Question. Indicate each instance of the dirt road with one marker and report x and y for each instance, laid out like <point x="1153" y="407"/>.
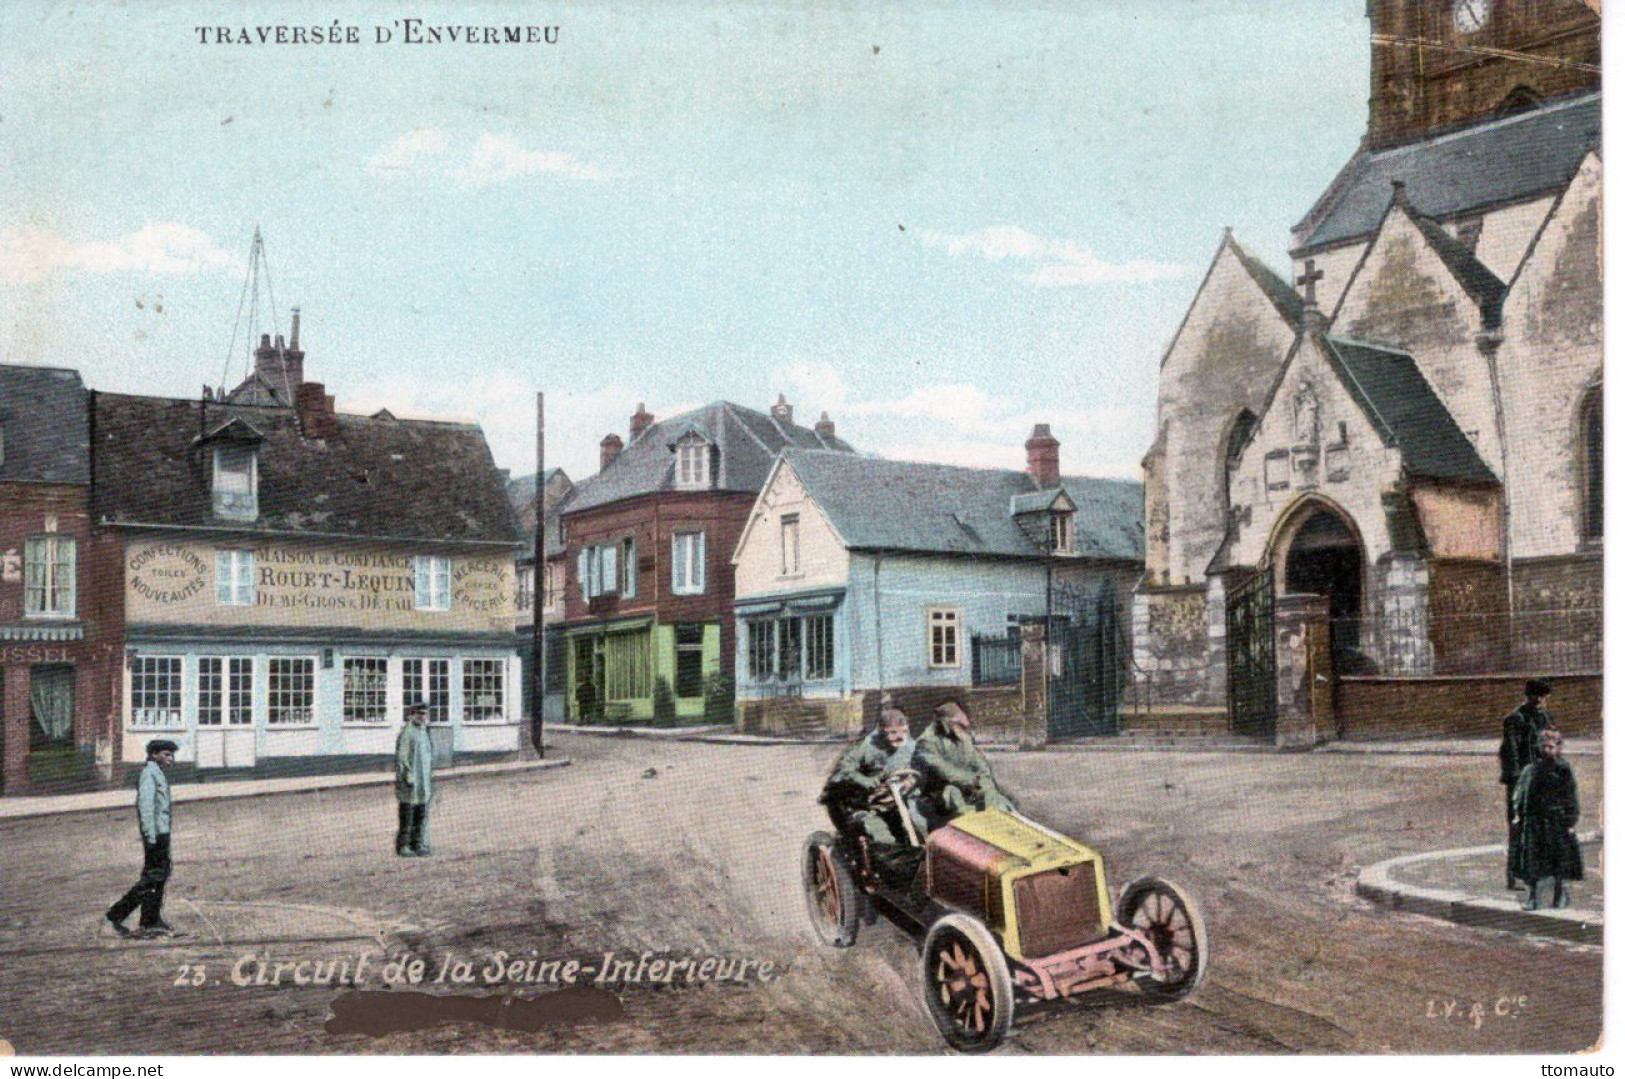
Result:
<point x="691" y="850"/>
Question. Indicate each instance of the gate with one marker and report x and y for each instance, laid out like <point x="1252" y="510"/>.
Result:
<point x="1086" y="677"/>
<point x="1249" y="636"/>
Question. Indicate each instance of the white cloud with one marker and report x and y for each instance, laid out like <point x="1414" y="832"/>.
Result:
<point x="409" y="150"/>
<point x="498" y="158"/>
<point x="1056" y="263"/>
<point x="28" y="255"/>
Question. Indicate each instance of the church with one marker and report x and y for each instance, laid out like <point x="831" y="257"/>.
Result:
<point x="1409" y="427"/>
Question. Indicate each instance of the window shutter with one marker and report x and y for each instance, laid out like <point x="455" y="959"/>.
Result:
<point x="699" y="561"/>
<point x="677" y="566"/>
<point x="66" y="575"/>
<point x="581" y="571"/>
<point x="610" y="575"/>
<point x="223" y="577"/>
<point x="34" y="576"/>
<point x="631" y="567"/>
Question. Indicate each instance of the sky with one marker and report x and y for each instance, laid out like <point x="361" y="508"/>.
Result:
<point x="939" y="222"/>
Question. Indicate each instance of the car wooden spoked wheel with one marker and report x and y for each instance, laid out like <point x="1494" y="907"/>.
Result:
<point x="1160" y="911"/>
<point x="967" y="984"/>
<point x="832" y="894"/>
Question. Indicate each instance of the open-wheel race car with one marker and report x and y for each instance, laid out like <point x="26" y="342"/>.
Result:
<point x="1008" y="913"/>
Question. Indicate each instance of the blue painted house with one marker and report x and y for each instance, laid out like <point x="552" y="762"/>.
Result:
<point x="858" y="576"/>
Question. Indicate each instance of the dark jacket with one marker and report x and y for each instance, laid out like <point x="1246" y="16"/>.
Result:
<point x="1520" y="740"/>
<point x="1547" y="804"/>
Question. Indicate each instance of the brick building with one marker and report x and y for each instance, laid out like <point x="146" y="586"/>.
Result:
<point x="292" y="576"/>
<point x="60" y="610"/>
<point x="648" y="602"/>
<point x="1411" y="429"/>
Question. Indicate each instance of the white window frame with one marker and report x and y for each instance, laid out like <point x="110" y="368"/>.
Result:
<point x="789" y="544"/>
<point x="524" y="594"/>
<point x="374" y="711"/>
<point x="608" y="569"/>
<point x="50" y="590"/>
<point x="431" y="582"/>
<point x="1062" y="535"/>
<point x="693" y="465"/>
<point x="159" y="718"/>
<point x="423" y="670"/>
<point x="470" y="669"/>
<point x="248" y="491"/>
<point x="629" y="567"/>
<point x="271" y="721"/>
<point x="688" y="563"/>
<point x="233" y="577"/>
<point x="947" y="651"/>
<point x="235" y="704"/>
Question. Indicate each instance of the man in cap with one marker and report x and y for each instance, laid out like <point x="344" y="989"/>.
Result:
<point x="955" y="777"/>
<point x="858" y="792"/>
<point x="414" y="782"/>
<point x="1520" y="747"/>
<point x="152" y="810"/>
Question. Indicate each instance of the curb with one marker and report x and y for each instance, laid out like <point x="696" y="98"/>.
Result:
<point x="113" y="801"/>
<point x="715" y="735"/>
<point x="1376" y="884"/>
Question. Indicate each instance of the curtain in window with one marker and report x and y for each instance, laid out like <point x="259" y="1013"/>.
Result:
<point x="51" y="695"/>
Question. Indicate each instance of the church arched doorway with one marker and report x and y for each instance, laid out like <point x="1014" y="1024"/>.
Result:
<point x="1324" y="556"/>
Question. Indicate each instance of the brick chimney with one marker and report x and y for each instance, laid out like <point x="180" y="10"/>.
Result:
<point x="1043" y="457"/>
<point x="608" y="450"/>
<point x="281" y="365"/>
<point x="825" y="426"/>
<point x="641" y="422"/>
<point x="317" y="418"/>
<point x="782" y="411"/>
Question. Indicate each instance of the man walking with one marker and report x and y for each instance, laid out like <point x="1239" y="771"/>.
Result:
<point x="955" y="777"/>
<point x="414" y="783"/>
<point x="153" y="814"/>
<point x="1520" y="747"/>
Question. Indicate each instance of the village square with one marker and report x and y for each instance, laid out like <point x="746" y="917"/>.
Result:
<point x="367" y="694"/>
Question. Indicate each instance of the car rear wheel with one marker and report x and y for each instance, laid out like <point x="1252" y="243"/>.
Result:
<point x="833" y="902"/>
<point x="1162" y="913"/>
<point x="967" y="984"/>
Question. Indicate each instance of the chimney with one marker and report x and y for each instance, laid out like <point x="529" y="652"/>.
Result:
<point x="608" y="450"/>
<point x="641" y="421"/>
<point x="782" y="411"/>
<point x="1044" y="457"/>
<point x="280" y="364"/>
<point x="317" y="418"/>
<point x="293" y="359"/>
<point x="825" y="426"/>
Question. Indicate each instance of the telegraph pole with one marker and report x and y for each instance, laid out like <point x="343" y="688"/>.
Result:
<point x="538" y="579"/>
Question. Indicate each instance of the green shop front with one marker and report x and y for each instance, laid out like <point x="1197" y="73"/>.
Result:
<point x="639" y="671"/>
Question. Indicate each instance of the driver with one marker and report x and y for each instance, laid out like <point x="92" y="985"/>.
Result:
<point x="857" y="793"/>
<point x="955" y="777"/>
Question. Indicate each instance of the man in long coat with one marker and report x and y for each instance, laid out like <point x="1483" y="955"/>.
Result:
<point x="1546" y="808"/>
<point x="955" y="777"/>
<point x="152" y="810"/>
<point x="1520" y="746"/>
<point x="414" y="782"/>
<point x="857" y="794"/>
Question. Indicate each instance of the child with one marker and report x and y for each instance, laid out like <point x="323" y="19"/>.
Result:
<point x="1546" y="808"/>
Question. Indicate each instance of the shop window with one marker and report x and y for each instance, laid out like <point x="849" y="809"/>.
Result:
<point x="292" y="691"/>
<point x="690" y="660"/>
<point x="429" y="681"/>
<point x="155" y="691"/>
<point x="483" y="689"/>
<point x="366" y="689"/>
<point x="225" y="691"/>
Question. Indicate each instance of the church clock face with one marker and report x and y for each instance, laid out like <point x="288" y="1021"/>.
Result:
<point x="1471" y="15"/>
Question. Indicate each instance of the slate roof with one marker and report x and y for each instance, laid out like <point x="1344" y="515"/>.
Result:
<point x="1505" y="160"/>
<point x="747" y="442"/>
<point x="45" y="421"/>
<point x="1391" y="390"/>
<point x="522" y="495"/>
<point x="376" y="478"/>
<point x="1280" y="292"/>
<point x="876" y="504"/>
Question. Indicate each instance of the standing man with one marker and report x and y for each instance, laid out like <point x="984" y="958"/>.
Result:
<point x="414" y="782"/>
<point x="1546" y="811"/>
<point x="955" y="777"/>
<point x="153" y="814"/>
<point x="1520" y="747"/>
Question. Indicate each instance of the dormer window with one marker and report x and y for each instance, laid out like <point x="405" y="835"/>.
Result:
<point x="693" y="463"/>
<point x="236" y="482"/>
<point x="1060" y="532"/>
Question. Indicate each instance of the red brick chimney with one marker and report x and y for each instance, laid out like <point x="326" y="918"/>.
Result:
<point x="641" y="421"/>
<point x="825" y="426"/>
<point x="317" y="418"/>
<point x="608" y="450"/>
<point x="1044" y="457"/>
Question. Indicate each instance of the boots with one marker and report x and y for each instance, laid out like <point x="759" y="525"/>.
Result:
<point x="1562" y="898"/>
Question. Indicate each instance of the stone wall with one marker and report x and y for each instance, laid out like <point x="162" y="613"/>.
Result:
<point x="1371" y="708"/>
<point x="1560" y="622"/>
<point x="1172" y="648"/>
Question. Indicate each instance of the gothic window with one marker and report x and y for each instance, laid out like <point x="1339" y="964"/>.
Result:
<point x="1591" y="463"/>
<point x="1241" y="429"/>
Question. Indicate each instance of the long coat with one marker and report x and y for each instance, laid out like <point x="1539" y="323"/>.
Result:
<point x="1520" y="740"/>
<point x="1547" y="804"/>
<point x="944" y="758"/>
<point x="414" y="766"/>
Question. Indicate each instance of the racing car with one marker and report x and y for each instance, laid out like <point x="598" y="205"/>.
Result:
<point x="1009" y="913"/>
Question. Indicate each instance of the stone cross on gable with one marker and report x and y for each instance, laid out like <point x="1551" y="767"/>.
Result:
<point x="1308" y="278"/>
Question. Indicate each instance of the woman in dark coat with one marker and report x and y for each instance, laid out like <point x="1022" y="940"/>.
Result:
<point x="1546" y="809"/>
